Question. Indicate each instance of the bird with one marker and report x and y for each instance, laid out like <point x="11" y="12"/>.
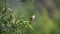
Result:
<point x="32" y="18"/>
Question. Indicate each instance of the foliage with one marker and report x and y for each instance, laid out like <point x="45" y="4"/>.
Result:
<point x="11" y="25"/>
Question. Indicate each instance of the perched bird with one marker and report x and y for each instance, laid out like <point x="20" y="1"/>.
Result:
<point x="32" y="18"/>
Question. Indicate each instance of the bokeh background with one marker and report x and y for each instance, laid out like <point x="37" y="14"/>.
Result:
<point x="43" y="23"/>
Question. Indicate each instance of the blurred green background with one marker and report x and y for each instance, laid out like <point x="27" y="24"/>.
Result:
<point x="42" y="24"/>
